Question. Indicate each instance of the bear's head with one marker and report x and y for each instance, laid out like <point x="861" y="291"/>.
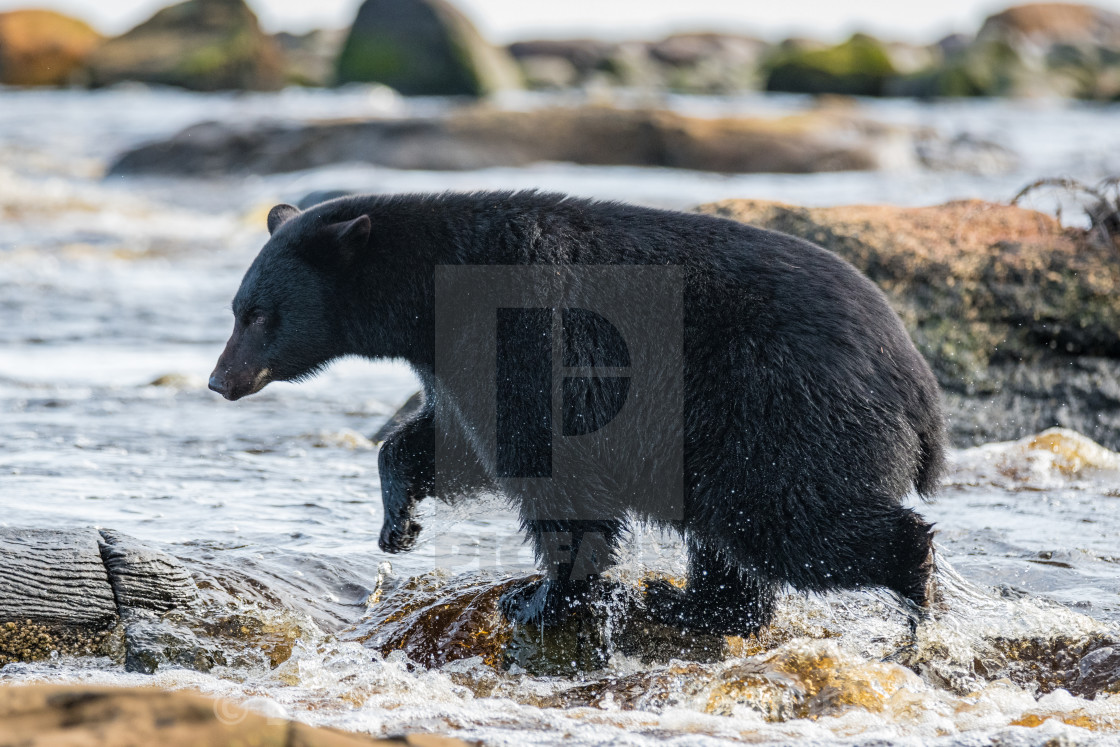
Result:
<point x="288" y="317"/>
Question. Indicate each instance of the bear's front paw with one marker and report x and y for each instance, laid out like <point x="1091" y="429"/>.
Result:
<point x="544" y="602"/>
<point x="398" y="536"/>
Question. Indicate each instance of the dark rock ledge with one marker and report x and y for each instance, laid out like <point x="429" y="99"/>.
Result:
<point x="83" y="591"/>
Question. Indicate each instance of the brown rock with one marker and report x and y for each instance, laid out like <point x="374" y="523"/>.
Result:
<point x="122" y="717"/>
<point x="480" y="137"/>
<point x="204" y="45"/>
<point x="435" y="619"/>
<point x="1055" y="23"/>
<point x="1019" y="317"/>
<point x="42" y="48"/>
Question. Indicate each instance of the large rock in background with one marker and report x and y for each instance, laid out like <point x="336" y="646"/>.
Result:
<point x="1019" y="317"/>
<point x="43" y="48"/>
<point x="204" y="45"/>
<point x="422" y="47"/>
<point x="694" y="62"/>
<point x="309" y="59"/>
<point x="861" y="66"/>
<point x="1045" y="49"/>
<point x="481" y="137"/>
<point x="1047" y="24"/>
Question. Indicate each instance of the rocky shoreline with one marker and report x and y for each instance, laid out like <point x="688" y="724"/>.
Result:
<point x="429" y="47"/>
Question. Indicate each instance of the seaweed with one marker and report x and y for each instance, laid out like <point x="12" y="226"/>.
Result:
<point x="1100" y="203"/>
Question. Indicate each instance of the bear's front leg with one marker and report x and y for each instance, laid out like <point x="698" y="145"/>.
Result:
<point x="407" y="466"/>
<point x="573" y="555"/>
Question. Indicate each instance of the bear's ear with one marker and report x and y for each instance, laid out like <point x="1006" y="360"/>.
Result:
<point x="350" y="236"/>
<point x="279" y="215"/>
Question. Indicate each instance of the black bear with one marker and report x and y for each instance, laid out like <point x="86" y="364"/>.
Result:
<point x="807" y="415"/>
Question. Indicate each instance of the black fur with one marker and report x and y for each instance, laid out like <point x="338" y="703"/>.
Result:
<point x="808" y="413"/>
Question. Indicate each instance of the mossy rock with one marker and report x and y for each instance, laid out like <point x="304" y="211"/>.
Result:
<point x="861" y="66"/>
<point x="423" y="48"/>
<point x="1018" y="316"/>
<point x="203" y="45"/>
<point x="43" y="48"/>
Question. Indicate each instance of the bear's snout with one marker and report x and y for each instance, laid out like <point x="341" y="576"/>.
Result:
<point x="233" y="386"/>
<point x="220" y="384"/>
<point x="217" y="384"/>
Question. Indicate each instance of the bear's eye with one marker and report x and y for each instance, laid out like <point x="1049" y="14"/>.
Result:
<point x="257" y="318"/>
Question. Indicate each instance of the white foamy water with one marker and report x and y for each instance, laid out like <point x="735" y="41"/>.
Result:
<point x="106" y="286"/>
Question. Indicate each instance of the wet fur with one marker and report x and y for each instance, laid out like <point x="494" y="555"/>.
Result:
<point x="808" y="413"/>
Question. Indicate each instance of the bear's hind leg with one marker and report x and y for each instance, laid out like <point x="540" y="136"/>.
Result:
<point x="903" y="560"/>
<point x="720" y="598"/>
<point x="573" y="555"/>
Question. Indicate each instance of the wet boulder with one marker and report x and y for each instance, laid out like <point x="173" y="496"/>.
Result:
<point x="436" y="619"/>
<point x="67" y="591"/>
<point x="1098" y="671"/>
<point x="43" y="48"/>
<point x="861" y="66"/>
<point x="203" y="45"/>
<point x="422" y="48"/>
<point x="1018" y="315"/>
<point x="55" y="595"/>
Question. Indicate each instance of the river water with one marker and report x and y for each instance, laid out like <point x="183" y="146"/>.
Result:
<point x="114" y="304"/>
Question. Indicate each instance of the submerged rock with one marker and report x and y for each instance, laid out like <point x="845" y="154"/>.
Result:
<point x="1019" y="316"/>
<point x="479" y="137"/>
<point x="422" y="48"/>
<point x="43" y="48"/>
<point x="1098" y="671"/>
<point x="436" y="619"/>
<point x="204" y="45"/>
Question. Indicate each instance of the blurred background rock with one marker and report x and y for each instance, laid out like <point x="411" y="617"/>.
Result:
<point x="429" y="47"/>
